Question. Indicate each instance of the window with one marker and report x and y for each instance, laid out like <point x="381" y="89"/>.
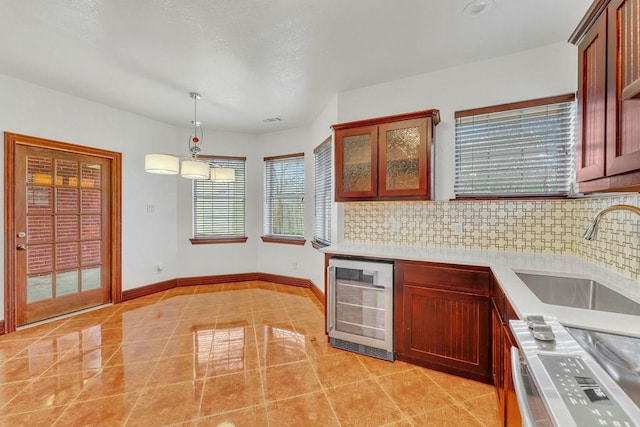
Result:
<point x="520" y="149"/>
<point x="218" y="206"/>
<point x="322" y="194"/>
<point x="284" y="199"/>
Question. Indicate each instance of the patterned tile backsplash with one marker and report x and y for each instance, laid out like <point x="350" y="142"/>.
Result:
<point x="541" y="226"/>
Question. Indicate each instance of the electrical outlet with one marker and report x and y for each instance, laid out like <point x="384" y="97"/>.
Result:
<point x="294" y="265"/>
<point x="395" y="226"/>
<point x="159" y="267"/>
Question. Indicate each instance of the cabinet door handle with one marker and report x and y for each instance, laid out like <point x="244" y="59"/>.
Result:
<point x="21" y="247"/>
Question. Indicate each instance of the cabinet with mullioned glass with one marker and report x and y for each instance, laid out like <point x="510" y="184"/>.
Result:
<point x="387" y="158"/>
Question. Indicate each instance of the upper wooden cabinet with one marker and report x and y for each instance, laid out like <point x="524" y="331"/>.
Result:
<point x="608" y="131"/>
<point x="386" y="158"/>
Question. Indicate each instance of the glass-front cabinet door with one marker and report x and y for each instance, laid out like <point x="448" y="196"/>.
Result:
<point x="403" y="158"/>
<point x="357" y="163"/>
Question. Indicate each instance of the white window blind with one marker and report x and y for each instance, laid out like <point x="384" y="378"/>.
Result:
<point x="516" y="152"/>
<point x="322" y="194"/>
<point x="219" y="207"/>
<point x="284" y="196"/>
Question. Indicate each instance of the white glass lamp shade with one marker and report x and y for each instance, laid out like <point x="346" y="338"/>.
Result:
<point x="163" y="164"/>
<point x="223" y="174"/>
<point x="194" y="169"/>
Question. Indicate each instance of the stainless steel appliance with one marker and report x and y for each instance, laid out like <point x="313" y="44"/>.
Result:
<point x="360" y="306"/>
<point x="558" y="383"/>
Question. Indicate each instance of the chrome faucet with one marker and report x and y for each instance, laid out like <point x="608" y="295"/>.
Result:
<point x="592" y="230"/>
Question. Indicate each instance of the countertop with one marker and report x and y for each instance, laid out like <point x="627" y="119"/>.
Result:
<point x="503" y="264"/>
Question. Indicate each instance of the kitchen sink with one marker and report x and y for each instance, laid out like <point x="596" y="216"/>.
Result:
<point x="579" y="293"/>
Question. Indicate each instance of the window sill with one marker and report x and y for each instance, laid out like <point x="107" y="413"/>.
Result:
<point x="284" y="240"/>
<point x="319" y="245"/>
<point x="212" y="241"/>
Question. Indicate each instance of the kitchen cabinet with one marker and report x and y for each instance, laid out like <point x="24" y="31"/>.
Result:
<point x="442" y="318"/>
<point x="386" y="158"/>
<point x="501" y="342"/>
<point x="608" y="121"/>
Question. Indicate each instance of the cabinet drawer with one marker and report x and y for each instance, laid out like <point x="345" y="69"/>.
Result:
<point x="474" y="280"/>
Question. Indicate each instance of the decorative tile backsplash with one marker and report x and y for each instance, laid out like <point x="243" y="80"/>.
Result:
<point x="541" y="226"/>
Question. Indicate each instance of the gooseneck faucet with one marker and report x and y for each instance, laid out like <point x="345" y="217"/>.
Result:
<point x="592" y="230"/>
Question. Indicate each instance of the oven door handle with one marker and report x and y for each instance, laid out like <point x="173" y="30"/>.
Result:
<point x="521" y="392"/>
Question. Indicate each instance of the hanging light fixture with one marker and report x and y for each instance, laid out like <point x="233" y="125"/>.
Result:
<point x="190" y="167"/>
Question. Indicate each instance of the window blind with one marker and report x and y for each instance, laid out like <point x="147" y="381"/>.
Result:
<point x="284" y="196"/>
<point x="219" y="207"/>
<point x="322" y="194"/>
<point x="516" y="152"/>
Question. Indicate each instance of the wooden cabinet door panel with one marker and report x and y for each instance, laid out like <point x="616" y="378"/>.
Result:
<point x="403" y="158"/>
<point x="357" y="163"/>
<point x="446" y="328"/>
<point x="592" y="98"/>
<point x="623" y="116"/>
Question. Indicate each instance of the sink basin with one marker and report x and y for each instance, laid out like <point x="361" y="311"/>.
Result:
<point x="579" y="293"/>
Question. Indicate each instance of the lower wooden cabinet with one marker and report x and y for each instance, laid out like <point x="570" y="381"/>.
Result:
<point x="510" y="401"/>
<point x="439" y="327"/>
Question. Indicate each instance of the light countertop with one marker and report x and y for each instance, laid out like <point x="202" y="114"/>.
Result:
<point x="524" y="301"/>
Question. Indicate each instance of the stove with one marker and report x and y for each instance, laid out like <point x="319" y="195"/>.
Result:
<point x="574" y="389"/>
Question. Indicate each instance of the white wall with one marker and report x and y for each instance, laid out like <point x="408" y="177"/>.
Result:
<point x="279" y="258"/>
<point x="229" y="258"/>
<point x="537" y="73"/>
<point x="146" y="237"/>
<point x="162" y="236"/>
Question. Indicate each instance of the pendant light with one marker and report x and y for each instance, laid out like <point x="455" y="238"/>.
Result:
<point x="190" y="167"/>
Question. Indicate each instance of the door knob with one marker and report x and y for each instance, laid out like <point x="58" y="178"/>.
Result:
<point x="22" y="247"/>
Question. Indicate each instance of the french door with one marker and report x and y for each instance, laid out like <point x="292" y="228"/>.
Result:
<point x="63" y="229"/>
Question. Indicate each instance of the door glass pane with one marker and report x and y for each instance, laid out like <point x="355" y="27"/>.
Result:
<point x="66" y="200"/>
<point x="90" y="175"/>
<point x="403" y="158"/>
<point x="39" y="258"/>
<point x="66" y="173"/>
<point x="357" y="163"/>
<point x="66" y="227"/>
<point x="66" y="282"/>
<point x="91" y="202"/>
<point x="38" y="170"/>
<point x="90" y="227"/>
<point x="91" y="278"/>
<point x="66" y="255"/>
<point x="39" y="199"/>
<point x="39" y="287"/>
<point x="39" y="229"/>
<point x="91" y="252"/>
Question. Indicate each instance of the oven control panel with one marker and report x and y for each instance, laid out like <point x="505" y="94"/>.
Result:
<point x="588" y="401"/>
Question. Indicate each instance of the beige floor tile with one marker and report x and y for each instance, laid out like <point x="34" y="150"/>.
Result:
<point x="308" y="410"/>
<point x="414" y="394"/>
<point x="107" y="411"/>
<point x="255" y="416"/>
<point x="169" y="404"/>
<point x="230" y="392"/>
<point x="293" y="379"/>
<point x="363" y="404"/>
<point x="38" y="418"/>
<point x="251" y="353"/>
<point x="339" y="369"/>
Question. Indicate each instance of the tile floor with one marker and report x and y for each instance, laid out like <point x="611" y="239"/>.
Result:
<point x="241" y="354"/>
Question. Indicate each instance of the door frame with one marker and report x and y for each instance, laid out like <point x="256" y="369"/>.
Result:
<point x="11" y="140"/>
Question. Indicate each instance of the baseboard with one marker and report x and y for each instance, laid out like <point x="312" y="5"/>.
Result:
<point x="285" y="280"/>
<point x="1" y="327"/>
<point x="219" y="279"/>
<point x="317" y="293"/>
<point x="214" y="280"/>
<point x="142" y="291"/>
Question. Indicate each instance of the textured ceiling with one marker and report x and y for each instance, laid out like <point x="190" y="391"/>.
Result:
<point x="256" y="59"/>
